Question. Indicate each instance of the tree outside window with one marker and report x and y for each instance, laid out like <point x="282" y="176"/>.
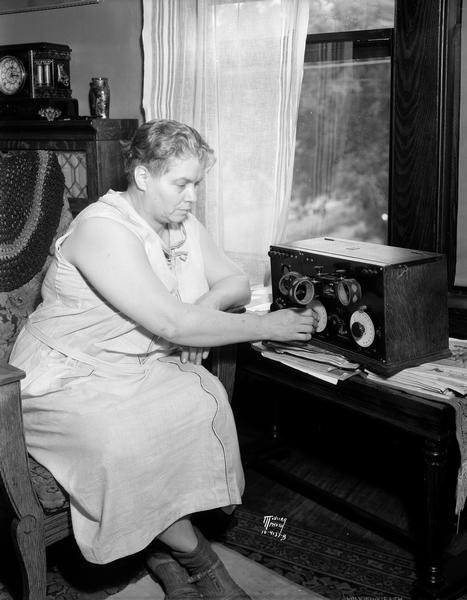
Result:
<point x="341" y="173"/>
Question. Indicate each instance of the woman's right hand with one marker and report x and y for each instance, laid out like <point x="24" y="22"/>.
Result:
<point x="291" y="324"/>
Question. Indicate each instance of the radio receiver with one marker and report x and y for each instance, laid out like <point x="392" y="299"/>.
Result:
<point x="381" y="306"/>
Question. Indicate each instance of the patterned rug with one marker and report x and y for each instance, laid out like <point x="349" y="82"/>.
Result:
<point x="333" y="568"/>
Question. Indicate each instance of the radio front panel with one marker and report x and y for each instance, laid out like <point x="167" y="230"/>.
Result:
<point x="377" y="312"/>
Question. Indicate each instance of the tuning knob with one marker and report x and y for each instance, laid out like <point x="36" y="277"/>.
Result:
<point x="338" y="325"/>
<point x="348" y="291"/>
<point x="298" y="288"/>
<point x="357" y="330"/>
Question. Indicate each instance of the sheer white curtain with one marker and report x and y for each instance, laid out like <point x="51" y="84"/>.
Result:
<point x="233" y="70"/>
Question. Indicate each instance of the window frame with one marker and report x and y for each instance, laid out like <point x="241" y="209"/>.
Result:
<point x="361" y="38"/>
<point x="425" y="136"/>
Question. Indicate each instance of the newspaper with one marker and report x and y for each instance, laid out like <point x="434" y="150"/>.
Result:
<point x="441" y="378"/>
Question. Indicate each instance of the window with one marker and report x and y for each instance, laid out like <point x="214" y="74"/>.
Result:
<point x="327" y="16"/>
<point x="341" y="172"/>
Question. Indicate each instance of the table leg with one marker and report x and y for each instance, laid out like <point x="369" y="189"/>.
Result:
<point x="432" y="528"/>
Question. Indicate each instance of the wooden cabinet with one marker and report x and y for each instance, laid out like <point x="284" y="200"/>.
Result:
<point x="286" y="399"/>
<point x="88" y="150"/>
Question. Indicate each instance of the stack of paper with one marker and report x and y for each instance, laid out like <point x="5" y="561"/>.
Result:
<point x="316" y="362"/>
<point x="445" y="377"/>
<point x="440" y="379"/>
<point x="312" y="353"/>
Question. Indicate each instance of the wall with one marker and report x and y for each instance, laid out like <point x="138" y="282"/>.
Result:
<point x="105" y="40"/>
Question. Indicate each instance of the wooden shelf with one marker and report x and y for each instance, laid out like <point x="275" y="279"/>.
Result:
<point x="88" y="149"/>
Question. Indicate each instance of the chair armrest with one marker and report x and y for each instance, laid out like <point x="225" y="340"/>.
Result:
<point x="223" y="364"/>
<point x="223" y="360"/>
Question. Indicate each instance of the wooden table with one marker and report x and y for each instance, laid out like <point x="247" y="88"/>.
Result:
<point x="430" y="426"/>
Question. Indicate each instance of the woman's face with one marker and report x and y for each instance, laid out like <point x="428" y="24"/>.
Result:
<point x="169" y="197"/>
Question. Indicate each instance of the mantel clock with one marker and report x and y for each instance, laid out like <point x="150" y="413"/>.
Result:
<point x="35" y="82"/>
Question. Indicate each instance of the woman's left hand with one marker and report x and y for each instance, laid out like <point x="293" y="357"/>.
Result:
<point x="194" y="355"/>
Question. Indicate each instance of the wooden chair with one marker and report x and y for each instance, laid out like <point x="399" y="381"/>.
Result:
<point x="37" y="507"/>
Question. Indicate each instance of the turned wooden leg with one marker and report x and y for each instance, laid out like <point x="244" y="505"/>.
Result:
<point x="432" y="527"/>
<point x="28" y="537"/>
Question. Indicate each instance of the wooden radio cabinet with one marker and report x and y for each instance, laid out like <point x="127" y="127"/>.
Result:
<point x="383" y="307"/>
<point x="88" y="150"/>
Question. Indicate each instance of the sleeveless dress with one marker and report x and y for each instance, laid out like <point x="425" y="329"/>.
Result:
<point x="135" y="437"/>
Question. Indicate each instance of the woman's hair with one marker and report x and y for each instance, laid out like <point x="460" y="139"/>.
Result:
<point x="156" y="143"/>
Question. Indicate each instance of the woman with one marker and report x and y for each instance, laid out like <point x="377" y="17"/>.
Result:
<point x="116" y="403"/>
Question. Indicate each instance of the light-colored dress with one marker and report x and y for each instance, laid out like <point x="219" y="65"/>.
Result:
<point x="134" y="436"/>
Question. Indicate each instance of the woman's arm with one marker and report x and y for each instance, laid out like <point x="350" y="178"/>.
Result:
<point x="114" y="262"/>
<point x="228" y="285"/>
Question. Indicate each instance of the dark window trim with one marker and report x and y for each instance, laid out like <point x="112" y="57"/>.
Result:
<point x="425" y="148"/>
<point x="371" y="43"/>
<point x="360" y="38"/>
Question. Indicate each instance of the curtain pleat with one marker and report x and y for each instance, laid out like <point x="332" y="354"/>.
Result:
<point x="293" y="36"/>
<point x="233" y="70"/>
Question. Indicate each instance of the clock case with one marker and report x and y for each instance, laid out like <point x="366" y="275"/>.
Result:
<point x="47" y="85"/>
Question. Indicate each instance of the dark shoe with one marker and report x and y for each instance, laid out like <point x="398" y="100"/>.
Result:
<point x="172" y="577"/>
<point x="208" y="572"/>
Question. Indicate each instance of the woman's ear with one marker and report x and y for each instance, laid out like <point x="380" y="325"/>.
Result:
<point x="141" y="175"/>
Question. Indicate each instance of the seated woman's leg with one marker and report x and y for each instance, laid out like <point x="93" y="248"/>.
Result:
<point x="168" y="572"/>
<point x="205" y="573"/>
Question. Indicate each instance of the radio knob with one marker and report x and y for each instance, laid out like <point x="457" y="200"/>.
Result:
<point x="348" y="291"/>
<point x="298" y="288"/>
<point x="280" y="303"/>
<point x="338" y="325"/>
<point x="357" y="330"/>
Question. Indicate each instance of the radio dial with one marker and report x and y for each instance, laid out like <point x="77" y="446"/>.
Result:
<point x="320" y="309"/>
<point x="302" y="291"/>
<point x="298" y="288"/>
<point x="362" y="328"/>
<point x="348" y="291"/>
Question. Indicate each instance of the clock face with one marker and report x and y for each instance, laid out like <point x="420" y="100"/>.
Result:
<point x="12" y="75"/>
